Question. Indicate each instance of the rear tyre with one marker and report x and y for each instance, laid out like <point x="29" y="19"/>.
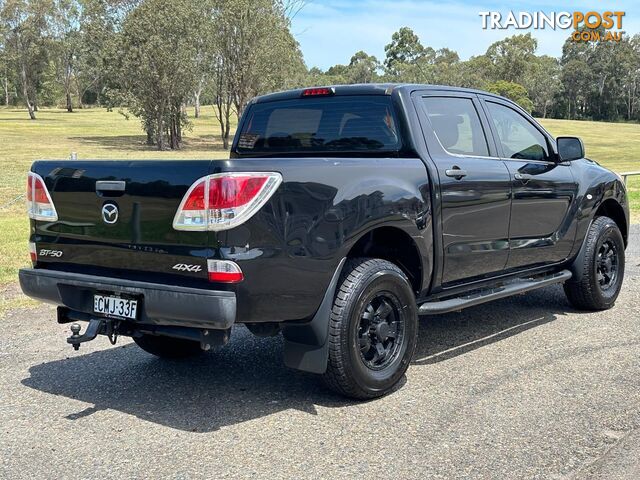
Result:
<point x="603" y="268"/>
<point x="168" y="347"/>
<point x="373" y="329"/>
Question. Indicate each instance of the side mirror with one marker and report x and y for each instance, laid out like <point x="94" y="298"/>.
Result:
<point x="570" y="148"/>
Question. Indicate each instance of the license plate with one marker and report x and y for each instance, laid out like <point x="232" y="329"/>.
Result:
<point x="115" y="306"/>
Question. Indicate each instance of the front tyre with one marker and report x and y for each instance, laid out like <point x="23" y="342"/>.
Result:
<point x="168" y="347"/>
<point x="603" y="268"/>
<point x="372" y="330"/>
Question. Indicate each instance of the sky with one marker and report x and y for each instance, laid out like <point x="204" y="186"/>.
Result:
<point x="330" y="31"/>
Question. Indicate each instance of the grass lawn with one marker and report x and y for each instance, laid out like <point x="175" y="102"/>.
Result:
<point x="96" y="133"/>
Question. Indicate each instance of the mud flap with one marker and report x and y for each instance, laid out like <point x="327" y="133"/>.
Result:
<point x="306" y="346"/>
<point x="577" y="266"/>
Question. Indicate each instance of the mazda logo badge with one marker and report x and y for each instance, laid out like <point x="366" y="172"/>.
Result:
<point x="110" y="213"/>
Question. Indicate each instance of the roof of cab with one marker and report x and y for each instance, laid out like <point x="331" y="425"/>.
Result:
<point x="364" y="89"/>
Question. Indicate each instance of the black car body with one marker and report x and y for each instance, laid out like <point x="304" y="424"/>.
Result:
<point x="448" y="196"/>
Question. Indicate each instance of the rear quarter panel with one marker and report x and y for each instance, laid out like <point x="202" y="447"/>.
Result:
<point x="290" y="249"/>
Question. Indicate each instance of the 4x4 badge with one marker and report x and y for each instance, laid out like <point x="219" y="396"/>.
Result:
<point x="183" y="267"/>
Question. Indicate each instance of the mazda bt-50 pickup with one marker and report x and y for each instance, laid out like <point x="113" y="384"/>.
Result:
<point x="341" y="215"/>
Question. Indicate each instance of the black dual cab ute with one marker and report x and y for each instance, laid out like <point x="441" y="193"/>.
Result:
<point x="342" y="214"/>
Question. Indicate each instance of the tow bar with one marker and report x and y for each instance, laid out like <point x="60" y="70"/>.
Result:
<point x="95" y="327"/>
<point x="114" y="328"/>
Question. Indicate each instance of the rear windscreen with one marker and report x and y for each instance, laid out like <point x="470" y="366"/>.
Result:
<point x="320" y="125"/>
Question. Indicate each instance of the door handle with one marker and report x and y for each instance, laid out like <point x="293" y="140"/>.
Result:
<point x="525" y="177"/>
<point x="110" y="186"/>
<point x="455" y="172"/>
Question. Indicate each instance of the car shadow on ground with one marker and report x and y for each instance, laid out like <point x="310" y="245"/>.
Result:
<point x="443" y="337"/>
<point x="247" y="380"/>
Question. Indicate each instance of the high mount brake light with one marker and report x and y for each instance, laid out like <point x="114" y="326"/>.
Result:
<point x="39" y="203"/>
<point x="317" y="92"/>
<point x="224" y="200"/>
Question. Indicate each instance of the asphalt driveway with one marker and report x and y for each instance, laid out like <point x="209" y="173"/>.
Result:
<point x="524" y="387"/>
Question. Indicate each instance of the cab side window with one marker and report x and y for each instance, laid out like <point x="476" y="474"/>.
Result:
<point x="457" y="125"/>
<point x="518" y="137"/>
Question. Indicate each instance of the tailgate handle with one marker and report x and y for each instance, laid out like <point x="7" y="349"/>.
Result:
<point x="110" y="185"/>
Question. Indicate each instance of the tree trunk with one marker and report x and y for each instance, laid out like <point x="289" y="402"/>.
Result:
<point x="6" y="91"/>
<point x="80" y="104"/>
<point x="174" y="144"/>
<point x="160" y="132"/>
<point x="149" y="127"/>
<point x="196" y="104"/>
<point x="225" y="140"/>
<point x="179" y="114"/>
<point x="221" y="122"/>
<point x="69" y="103"/>
<point x="67" y="87"/>
<point x="25" y="92"/>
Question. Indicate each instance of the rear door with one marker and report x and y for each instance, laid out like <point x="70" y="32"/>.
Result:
<point x="116" y="218"/>
<point x="544" y="191"/>
<point x="474" y="185"/>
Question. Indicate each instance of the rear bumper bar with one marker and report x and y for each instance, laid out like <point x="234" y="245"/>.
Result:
<point x="159" y="304"/>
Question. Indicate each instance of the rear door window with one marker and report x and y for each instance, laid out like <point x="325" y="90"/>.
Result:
<point x="457" y="125"/>
<point x="321" y="125"/>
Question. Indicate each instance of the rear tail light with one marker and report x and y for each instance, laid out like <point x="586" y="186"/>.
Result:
<point x="224" y="200"/>
<point x="33" y="253"/>
<point x="39" y="203"/>
<point x="224" y="271"/>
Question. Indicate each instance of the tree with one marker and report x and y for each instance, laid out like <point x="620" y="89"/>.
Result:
<point x="405" y="47"/>
<point x="26" y="42"/>
<point x="446" y="68"/>
<point x="512" y="91"/>
<point x="477" y="72"/>
<point x="155" y="69"/>
<point x="574" y="85"/>
<point x="99" y="20"/>
<point x="65" y="26"/>
<point x="362" y="68"/>
<point x="6" y="72"/>
<point x="543" y="83"/>
<point x="512" y="57"/>
<point x="446" y="56"/>
<point x="221" y="83"/>
<point x="630" y="63"/>
<point x="256" y="53"/>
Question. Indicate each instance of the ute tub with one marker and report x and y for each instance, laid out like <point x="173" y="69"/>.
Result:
<point x="159" y="304"/>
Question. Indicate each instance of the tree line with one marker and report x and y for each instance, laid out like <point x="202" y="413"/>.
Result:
<point x="148" y="58"/>
<point x="591" y="80"/>
<point x="160" y="60"/>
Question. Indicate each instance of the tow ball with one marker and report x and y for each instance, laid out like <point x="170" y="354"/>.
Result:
<point x="96" y="326"/>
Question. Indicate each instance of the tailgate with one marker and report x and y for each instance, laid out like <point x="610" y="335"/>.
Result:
<point x="117" y="215"/>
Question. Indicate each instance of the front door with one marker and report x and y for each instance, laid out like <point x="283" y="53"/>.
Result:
<point x="544" y="190"/>
<point x="474" y="186"/>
